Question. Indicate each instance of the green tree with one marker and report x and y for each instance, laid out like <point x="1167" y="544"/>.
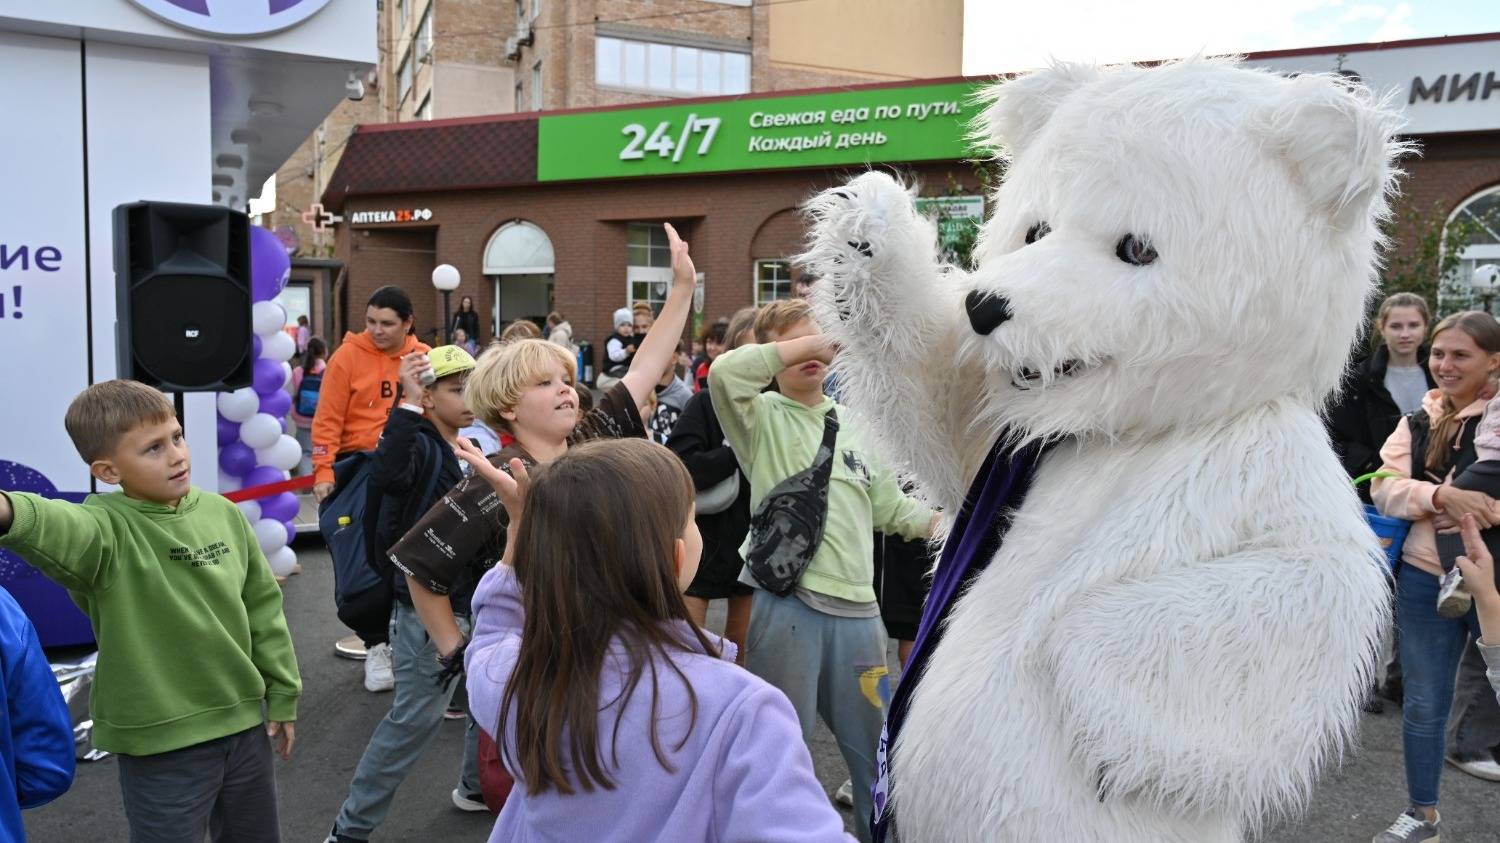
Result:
<point x="1428" y="255"/>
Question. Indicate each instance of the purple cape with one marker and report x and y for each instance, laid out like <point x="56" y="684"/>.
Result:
<point x="997" y="492"/>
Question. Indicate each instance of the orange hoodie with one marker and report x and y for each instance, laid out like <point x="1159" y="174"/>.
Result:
<point x="358" y="392"/>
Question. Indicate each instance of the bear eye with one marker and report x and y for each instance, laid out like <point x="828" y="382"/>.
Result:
<point x="1037" y="232"/>
<point x="1136" y="251"/>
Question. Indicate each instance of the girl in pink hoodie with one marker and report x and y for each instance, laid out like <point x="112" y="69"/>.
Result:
<point x="618" y="717"/>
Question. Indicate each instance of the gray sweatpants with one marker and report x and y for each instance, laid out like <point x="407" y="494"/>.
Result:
<point x="829" y="667"/>
<point x="408" y="728"/>
<point x="225" y="788"/>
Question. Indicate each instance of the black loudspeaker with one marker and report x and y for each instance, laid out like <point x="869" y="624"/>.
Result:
<point x="182" y="277"/>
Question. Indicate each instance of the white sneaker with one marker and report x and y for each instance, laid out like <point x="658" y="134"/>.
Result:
<point x="378" y="675"/>
<point x="845" y="794"/>
<point x="1479" y="768"/>
<point x="468" y="803"/>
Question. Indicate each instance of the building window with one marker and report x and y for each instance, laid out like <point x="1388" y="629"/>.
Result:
<point x="536" y="86"/>
<point x="424" y="111"/>
<point x="424" y="35"/>
<point x="536" y="9"/>
<point x="665" y="68"/>
<point x="403" y="78"/>
<point x="403" y="9"/>
<point x="647" y="245"/>
<point x="773" y="281"/>
<point x="1477" y="221"/>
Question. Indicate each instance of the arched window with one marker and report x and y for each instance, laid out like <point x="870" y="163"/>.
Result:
<point x="1478" y="219"/>
<point x="518" y="261"/>
<point x="518" y="248"/>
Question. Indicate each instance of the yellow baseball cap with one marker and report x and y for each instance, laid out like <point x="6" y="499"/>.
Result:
<point x="450" y="360"/>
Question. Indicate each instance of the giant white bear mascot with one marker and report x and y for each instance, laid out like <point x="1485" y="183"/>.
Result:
<point x="1157" y="606"/>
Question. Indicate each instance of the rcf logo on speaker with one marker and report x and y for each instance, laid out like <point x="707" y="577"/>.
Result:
<point x="233" y="17"/>
<point x="21" y="258"/>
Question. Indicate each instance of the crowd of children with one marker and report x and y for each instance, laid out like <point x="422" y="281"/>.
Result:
<point x="587" y="662"/>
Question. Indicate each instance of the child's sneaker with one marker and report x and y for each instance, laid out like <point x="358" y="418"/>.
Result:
<point x="1410" y="827"/>
<point x="454" y="714"/>
<point x="1454" y="598"/>
<point x="468" y="802"/>
<point x="845" y="794"/>
<point x="378" y="675"/>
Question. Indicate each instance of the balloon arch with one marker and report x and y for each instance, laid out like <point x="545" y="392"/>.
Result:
<point x="254" y="445"/>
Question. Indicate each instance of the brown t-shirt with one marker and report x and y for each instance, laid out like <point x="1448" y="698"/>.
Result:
<point x="463" y="534"/>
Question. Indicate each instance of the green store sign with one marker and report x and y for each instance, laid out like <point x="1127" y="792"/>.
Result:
<point x="922" y="123"/>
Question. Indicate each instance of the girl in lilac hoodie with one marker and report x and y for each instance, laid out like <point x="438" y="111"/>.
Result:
<point x="618" y="718"/>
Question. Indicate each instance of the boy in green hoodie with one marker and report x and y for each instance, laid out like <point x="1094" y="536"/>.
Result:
<point x="196" y="674"/>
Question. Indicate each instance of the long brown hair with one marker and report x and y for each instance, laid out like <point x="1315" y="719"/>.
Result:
<point x="1485" y="332"/>
<point x="581" y="593"/>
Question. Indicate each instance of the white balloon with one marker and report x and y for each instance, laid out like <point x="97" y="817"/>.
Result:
<point x="285" y="453"/>
<point x="282" y="561"/>
<point x="240" y="405"/>
<point x="279" y="347"/>
<point x="251" y="510"/>
<point x="271" y="534"/>
<point x="286" y="374"/>
<point x="228" y="482"/>
<point x="260" y="431"/>
<point x="267" y="317"/>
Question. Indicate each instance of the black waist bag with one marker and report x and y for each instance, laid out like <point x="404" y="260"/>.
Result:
<point x="787" y="528"/>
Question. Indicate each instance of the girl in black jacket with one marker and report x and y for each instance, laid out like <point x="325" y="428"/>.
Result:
<point x="1383" y="386"/>
<point x="699" y="440"/>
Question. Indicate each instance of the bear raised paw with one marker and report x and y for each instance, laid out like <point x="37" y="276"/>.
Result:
<point x="1173" y="638"/>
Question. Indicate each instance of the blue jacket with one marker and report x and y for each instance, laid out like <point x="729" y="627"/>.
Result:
<point x="36" y="732"/>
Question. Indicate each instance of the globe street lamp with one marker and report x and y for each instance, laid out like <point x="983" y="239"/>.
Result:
<point x="445" y="278"/>
<point x="1485" y="283"/>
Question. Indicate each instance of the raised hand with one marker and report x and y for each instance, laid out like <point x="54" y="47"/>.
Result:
<point x="683" y="271"/>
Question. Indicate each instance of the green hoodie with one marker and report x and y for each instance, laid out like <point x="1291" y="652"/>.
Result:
<point x="775" y="437"/>
<point x="184" y="607"/>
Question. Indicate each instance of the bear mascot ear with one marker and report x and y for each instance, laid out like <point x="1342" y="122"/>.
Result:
<point x="1015" y="111"/>
<point x="1339" y="145"/>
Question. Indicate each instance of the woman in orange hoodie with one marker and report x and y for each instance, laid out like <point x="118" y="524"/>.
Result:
<point x="359" y="385"/>
<point x="358" y="393"/>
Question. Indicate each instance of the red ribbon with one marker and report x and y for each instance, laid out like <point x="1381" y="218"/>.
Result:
<point x="257" y="492"/>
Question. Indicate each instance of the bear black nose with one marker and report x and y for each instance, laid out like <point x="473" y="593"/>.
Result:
<point x="986" y="311"/>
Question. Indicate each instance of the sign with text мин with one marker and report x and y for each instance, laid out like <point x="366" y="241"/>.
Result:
<point x="918" y="123"/>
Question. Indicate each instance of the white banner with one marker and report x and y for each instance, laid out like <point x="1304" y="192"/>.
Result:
<point x="44" y="318"/>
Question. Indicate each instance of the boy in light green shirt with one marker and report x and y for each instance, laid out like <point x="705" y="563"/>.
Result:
<point x="196" y="673"/>
<point x="823" y="645"/>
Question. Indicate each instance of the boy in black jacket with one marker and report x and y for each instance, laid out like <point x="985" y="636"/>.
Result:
<point x="414" y="465"/>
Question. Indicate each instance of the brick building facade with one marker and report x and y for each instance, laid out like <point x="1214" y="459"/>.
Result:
<point x="470" y="179"/>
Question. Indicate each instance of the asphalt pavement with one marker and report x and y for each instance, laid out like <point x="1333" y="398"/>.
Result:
<point x="337" y="715"/>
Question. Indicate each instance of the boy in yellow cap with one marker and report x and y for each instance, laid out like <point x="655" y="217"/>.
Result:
<point x="414" y="465"/>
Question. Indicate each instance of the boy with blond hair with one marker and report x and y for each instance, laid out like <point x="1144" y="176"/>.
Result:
<point x="526" y="389"/>
<point x="819" y="640"/>
<point x="196" y="673"/>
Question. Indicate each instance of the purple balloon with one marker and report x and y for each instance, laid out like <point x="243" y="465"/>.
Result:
<point x="277" y="404"/>
<point x="282" y="507"/>
<point x="236" y="458"/>
<point x="291" y="531"/>
<point x="228" y="431"/>
<point x="255" y="346"/>
<point x="263" y="474"/>
<point x="269" y="264"/>
<point x="268" y="376"/>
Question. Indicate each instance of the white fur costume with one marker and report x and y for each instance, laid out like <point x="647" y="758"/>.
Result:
<point x="1183" y="617"/>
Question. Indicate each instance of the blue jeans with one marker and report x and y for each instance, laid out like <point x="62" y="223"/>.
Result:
<point x="407" y="730"/>
<point x="1431" y="646"/>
